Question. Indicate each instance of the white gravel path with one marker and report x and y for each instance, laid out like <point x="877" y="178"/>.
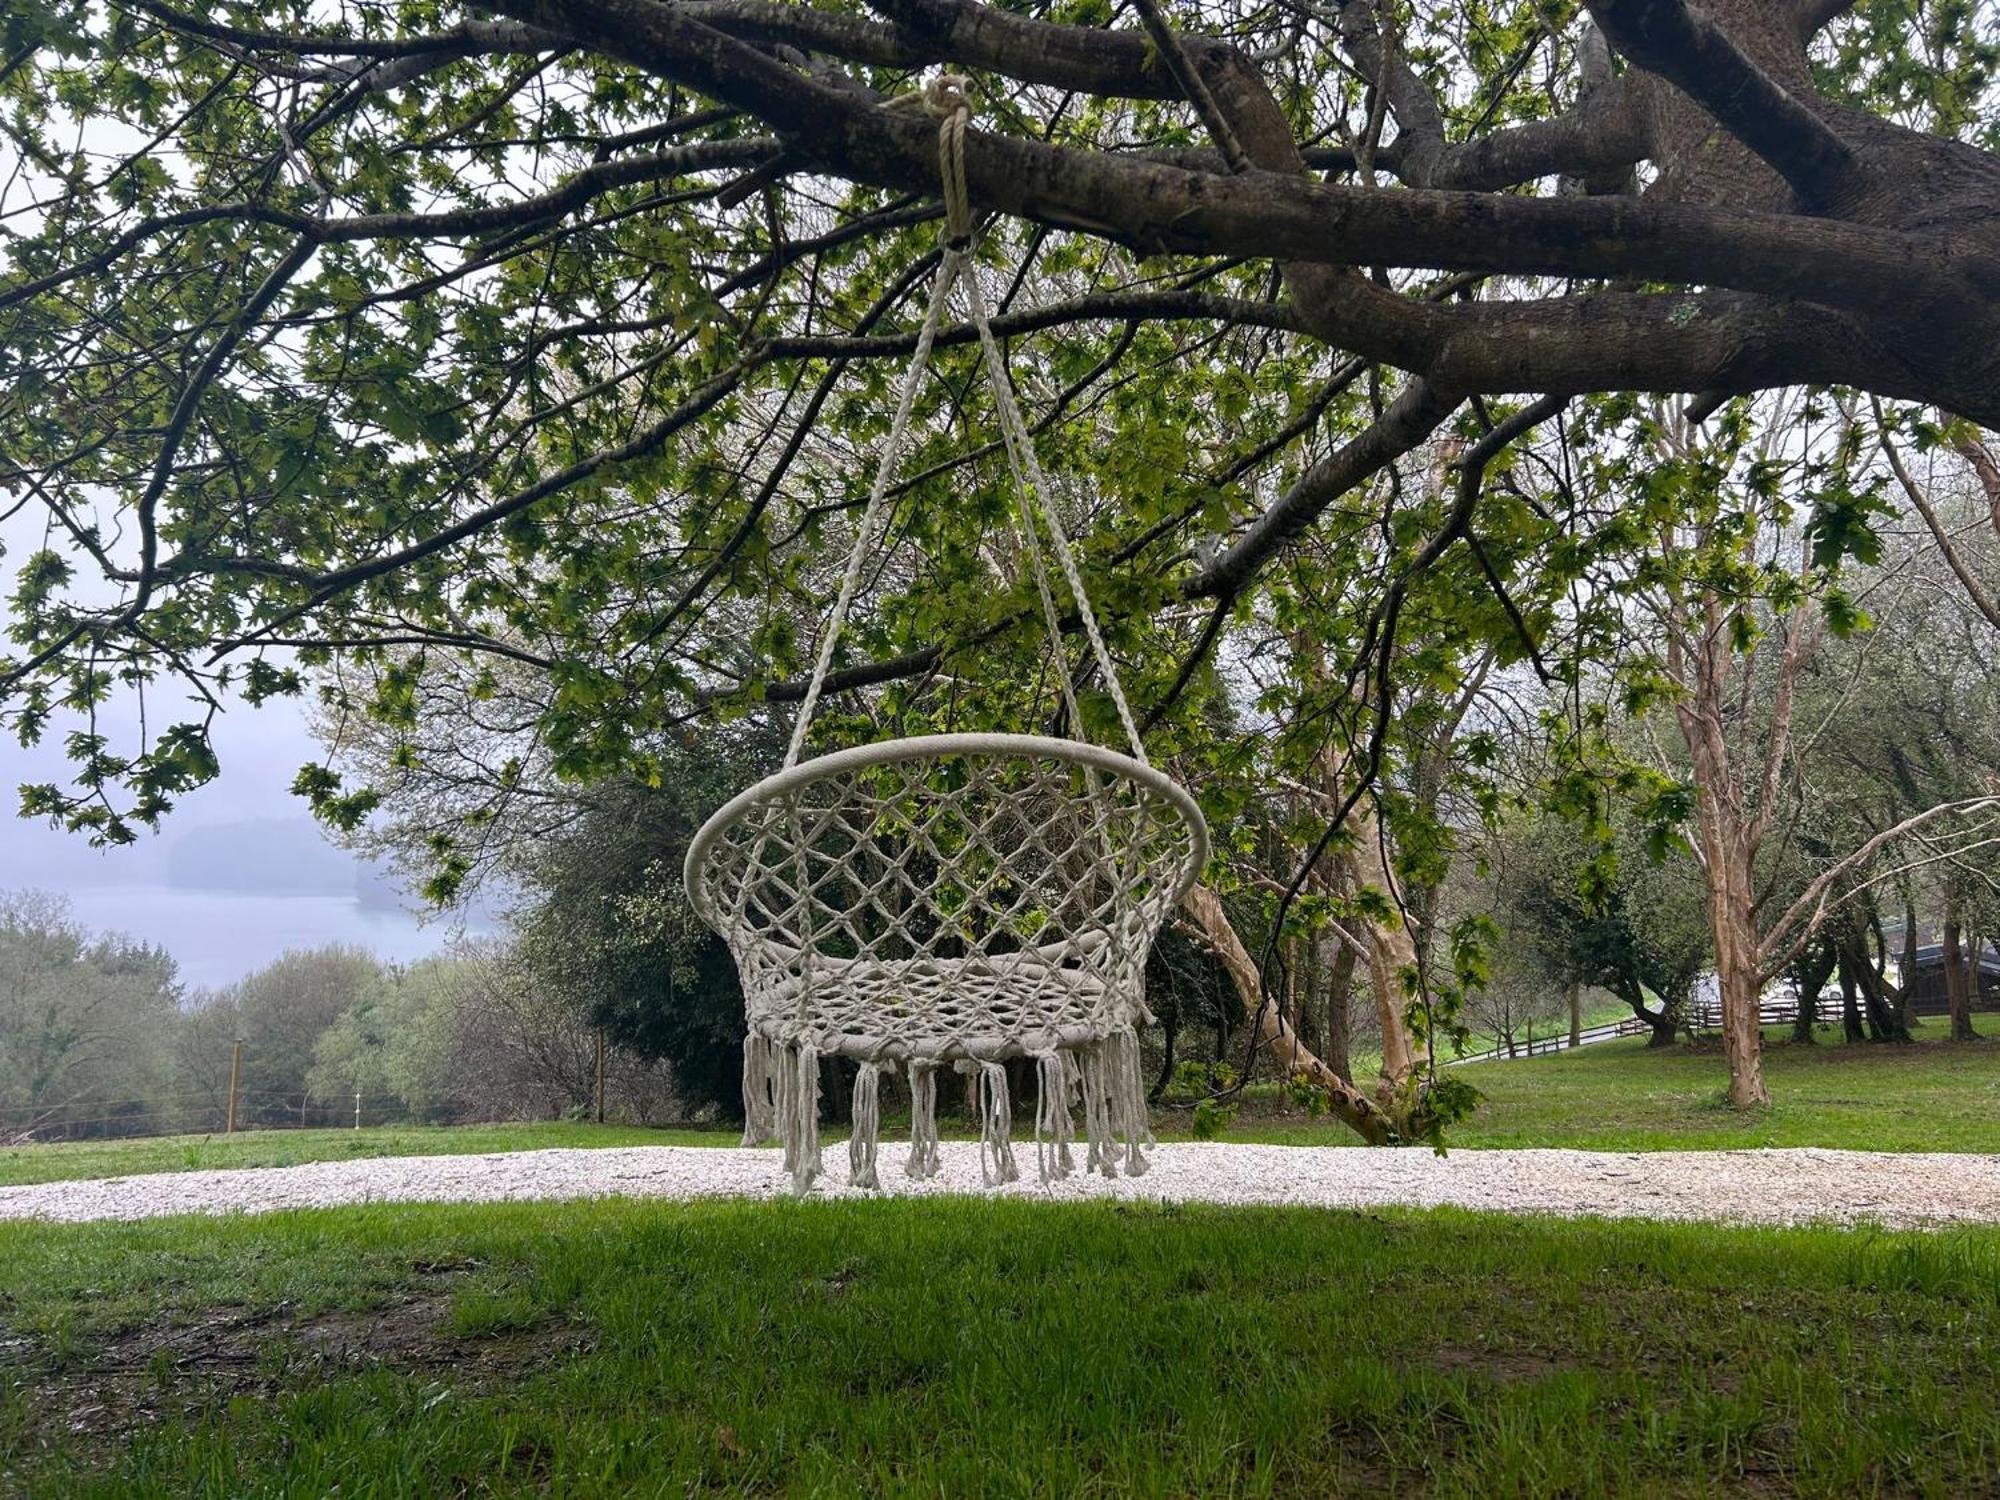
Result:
<point x="1763" y="1187"/>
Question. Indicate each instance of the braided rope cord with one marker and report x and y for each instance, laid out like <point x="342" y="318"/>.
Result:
<point x="885" y="471"/>
<point x="948" y="97"/>
<point x="1031" y="481"/>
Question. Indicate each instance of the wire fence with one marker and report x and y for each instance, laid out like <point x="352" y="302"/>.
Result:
<point x="92" y="1110"/>
<point x="111" y="1117"/>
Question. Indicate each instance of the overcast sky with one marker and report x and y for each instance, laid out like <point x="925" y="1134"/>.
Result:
<point x="238" y="873"/>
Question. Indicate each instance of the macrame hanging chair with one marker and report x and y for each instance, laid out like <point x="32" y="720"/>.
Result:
<point x="958" y="900"/>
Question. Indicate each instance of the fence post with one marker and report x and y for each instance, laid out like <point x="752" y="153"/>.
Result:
<point x="235" y="1077"/>
<point x="357" y="1107"/>
<point x="600" y="1075"/>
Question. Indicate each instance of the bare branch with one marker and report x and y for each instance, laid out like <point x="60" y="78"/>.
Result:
<point x="1975" y="590"/>
<point x="1812" y="900"/>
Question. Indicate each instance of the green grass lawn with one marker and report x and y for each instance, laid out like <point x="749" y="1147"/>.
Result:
<point x="65" y="1160"/>
<point x="1927" y="1096"/>
<point x="977" y="1347"/>
<point x="1931" y="1095"/>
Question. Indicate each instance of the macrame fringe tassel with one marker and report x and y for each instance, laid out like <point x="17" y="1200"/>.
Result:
<point x="923" y="1162"/>
<point x="1128" y="1099"/>
<point x="1052" y="1117"/>
<point x="1102" y="1155"/>
<point x="798" y="1114"/>
<point x="1114" y="1106"/>
<point x="861" y="1146"/>
<point x="996" y="1150"/>
<point x="781" y="1099"/>
<point x="760" y="1120"/>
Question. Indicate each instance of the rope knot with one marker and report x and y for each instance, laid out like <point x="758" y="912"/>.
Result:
<point x="948" y="94"/>
<point x="948" y="97"/>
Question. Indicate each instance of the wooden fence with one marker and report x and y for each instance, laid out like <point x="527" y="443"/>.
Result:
<point x="1702" y="1015"/>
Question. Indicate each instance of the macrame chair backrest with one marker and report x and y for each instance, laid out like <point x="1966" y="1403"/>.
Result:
<point x="948" y="896"/>
<point x="959" y="900"/>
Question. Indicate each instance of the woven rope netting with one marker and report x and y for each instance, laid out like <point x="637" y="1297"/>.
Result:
<point x="953" y="901"/>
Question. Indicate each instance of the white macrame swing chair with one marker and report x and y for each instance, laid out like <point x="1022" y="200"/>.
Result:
<point x="952" y="900"/>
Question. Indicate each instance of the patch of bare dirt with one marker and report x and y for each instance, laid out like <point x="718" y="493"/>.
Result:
<point x="182" y="1370"/>
<point x="1501" y="1364"/>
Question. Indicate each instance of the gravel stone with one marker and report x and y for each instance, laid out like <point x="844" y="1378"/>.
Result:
<point x="1753" y="1187"/>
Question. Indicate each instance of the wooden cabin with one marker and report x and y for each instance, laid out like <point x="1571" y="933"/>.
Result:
<point x="1925" y="982"/>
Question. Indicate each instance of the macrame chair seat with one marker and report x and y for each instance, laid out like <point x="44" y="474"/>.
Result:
<point x="949" y="901"/>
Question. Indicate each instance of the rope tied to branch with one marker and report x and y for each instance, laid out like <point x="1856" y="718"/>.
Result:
<point x="948" y="97"/>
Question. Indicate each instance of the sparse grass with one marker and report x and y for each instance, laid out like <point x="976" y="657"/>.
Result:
<point x="973" y="1347"/>
<point x="67" y="1160"/>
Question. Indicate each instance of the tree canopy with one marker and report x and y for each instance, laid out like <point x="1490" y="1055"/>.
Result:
<point x="555" y="337"/>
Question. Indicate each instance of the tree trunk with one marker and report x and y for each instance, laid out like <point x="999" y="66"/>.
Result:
<point x="1884" y="1009"/>
<point x="1339" y="1001"/>
<point x="1294" y="958"/>
<point x="1170" y="1025"/>
<point x="1664" y="1023"/>
<point x="1975" y="987"/>
<point x="1391" y="952"/>
<point x="1355" y="1109"/>
<point x="1957" y="992"/>
<point x="1575" y="1015"/>
<point x="1908" y="973"/>
<point x="1732" y="917"/>
<point x="1818" y="966"/>
<point x="1850" y="1013"/>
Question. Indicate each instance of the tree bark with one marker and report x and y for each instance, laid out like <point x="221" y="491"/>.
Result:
<point x="1882" y="1006"/>
<point x="1391" y="952"/>
<point x="1818" y="967"/>
<point x="1339" y="1000"/>
<point x="1730" y="830"/>
<point x="1664" y="1023"/>
<point x="1355" y="1109"/>
<point x="1958" y="995"/>
<point x="1850" y="1012"/>
<point x="1575" y="1015"/>
<point x="1732" y="915"/>
<point x="1908" y="972"/>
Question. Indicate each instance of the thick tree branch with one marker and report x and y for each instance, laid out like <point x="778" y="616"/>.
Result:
<point x="1781" y="941"/>
<point x="1673" y="39"/>
<point x="1100" y="307"/>
<point x="1265" y="214"/>
<point x="1419" y="121"/>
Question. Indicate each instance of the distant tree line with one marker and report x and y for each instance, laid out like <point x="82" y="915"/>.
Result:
<point x="99" y="1038"/>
